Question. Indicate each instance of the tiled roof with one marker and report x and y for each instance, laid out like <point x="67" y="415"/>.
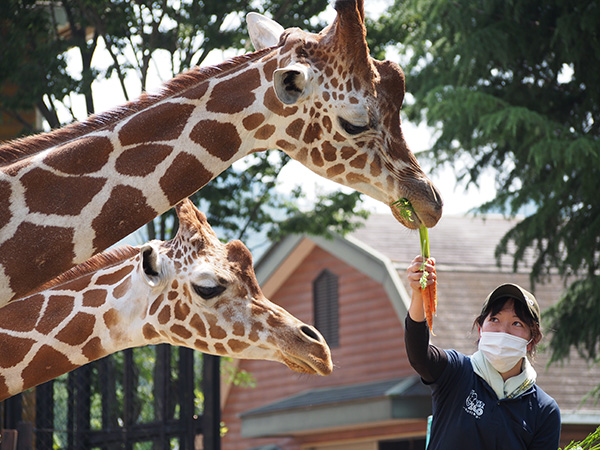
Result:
<point x="410" y="386"/>
<point x="463" y="242"/>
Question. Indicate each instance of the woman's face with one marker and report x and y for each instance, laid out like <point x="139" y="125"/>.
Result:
<point x="507" y="321"/>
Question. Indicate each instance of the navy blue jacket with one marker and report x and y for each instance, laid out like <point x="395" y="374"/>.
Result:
<point x="467" y="413"/>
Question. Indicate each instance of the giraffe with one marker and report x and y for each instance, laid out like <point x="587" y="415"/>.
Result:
<point x="192" y="291"/>
<point x="321" y="98"/>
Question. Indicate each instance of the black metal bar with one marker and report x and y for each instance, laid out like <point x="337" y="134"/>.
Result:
<point x="107" y="384"/>
<point x="128" y="397"/>
<point x="71" y="409"/>
<point x="82" y="403"/>
<point x="25" y="433"/>
<point x="186" y="397"/>
<point x="211" y="385"/>
<point x="162" y="375"/>
<point x="44" y="415"/>
<point x="12" y="412"/>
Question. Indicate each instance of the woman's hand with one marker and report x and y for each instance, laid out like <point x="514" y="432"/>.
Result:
<point x="415" y="271"/>
<point x="413" y="274"/>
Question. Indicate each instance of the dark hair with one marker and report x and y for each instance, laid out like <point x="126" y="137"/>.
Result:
<point x="522" y="313"/>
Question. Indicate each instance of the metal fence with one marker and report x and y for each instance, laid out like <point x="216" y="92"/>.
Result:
<point x="148" y="398"/>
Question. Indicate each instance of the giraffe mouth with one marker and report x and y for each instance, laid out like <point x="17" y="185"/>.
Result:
<point x="312" y="365"/>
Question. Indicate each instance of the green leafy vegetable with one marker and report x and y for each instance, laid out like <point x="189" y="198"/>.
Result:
<point x="407" y="211"/>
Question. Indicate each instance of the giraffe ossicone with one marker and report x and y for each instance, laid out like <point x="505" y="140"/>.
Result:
<point x="192" y="291"/>
<point x="321" y="98"/>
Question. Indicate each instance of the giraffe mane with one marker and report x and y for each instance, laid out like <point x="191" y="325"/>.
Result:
<point x="23" y="147"/>
<point x="96" y="262"/>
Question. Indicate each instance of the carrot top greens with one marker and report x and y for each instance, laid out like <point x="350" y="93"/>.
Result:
<point x="407" y="211"/>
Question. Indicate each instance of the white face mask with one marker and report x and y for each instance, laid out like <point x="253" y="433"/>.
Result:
<point x="502" y="350"/>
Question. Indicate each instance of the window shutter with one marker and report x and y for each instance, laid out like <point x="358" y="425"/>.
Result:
<point x="325" y="303"/>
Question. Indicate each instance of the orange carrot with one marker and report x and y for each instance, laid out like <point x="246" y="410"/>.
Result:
<point x="428" y="292"/>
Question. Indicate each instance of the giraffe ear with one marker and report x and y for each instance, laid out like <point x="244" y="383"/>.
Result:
<point x="292" y="82"/>
<point x="263" y="31"/>
<point x="150" y="269"/>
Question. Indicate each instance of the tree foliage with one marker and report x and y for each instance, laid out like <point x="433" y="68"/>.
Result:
<point x="154" y="38"/>
<point x="511" y="85"/>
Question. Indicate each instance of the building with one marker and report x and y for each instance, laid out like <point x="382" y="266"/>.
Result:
<point x="354" y="289"/>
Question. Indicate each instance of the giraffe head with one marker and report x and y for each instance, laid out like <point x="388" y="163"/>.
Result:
<point x="347" y="122"/>
<point x="211" y="301"/>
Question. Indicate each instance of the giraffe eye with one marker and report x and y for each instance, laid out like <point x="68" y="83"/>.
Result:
<point x="208" y="292"/>
<point x="351" y="128"/>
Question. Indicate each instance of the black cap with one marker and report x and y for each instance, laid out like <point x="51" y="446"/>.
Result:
<point x="515" y="292"/>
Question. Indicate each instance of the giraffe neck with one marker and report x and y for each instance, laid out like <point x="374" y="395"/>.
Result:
<point x="72" y="324"/>
<point x="96" y="184"/>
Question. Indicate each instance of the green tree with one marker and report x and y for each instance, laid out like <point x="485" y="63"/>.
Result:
<point x="511" y="85"/>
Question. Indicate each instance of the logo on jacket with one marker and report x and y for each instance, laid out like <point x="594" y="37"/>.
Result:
<point x="474" y="406"/>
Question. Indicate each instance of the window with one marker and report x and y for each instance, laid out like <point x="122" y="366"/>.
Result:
<point x="325" y="303"/>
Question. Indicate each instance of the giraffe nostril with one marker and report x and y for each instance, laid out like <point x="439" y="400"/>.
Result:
<point x="311" y="333"/>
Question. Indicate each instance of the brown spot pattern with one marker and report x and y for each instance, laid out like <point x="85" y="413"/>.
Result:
<point x="237" y="346"/>
<point x="334" y="171"/>
<point x="239" y="329"/>
<point x="156" y="303"/>
<point x="285" y="145"/>
<point x="273" y="104"/>
<point x="181" y="331"/>
<point x="220" y="349"/>
<point x="294" y="129"/>
<point x="253" y="121"/>
<point x="113" y="278"/>
<point x="87" y="154"/>
<point x="16" y="318"/>
<point x="122" y="288"/>
<point x="47" y="193"/>
<point x="163" y="122"/>
<point x="184" y="177"/>
<point x="220" y="139"/>
<point x="359" y="162"/>
<point x="94" y="298"/>
<point x="18" y="349"/>
<point x="196" y="92"/>
<point x="234" y="95"/>
<point x="201" y="346"/>
<point x="181" y="310"/>
<point x="46" y="364"/>
<point x="215" y="331"/>
<point x="142" y="160"/>
<point x="120" y="216"/>
<point x="265" y="132"/>
<point x="165" y="315"/>
<point x="3" y="388"/>
<point x="5" y="192"/>
<point x="57" y="310"/>
<point x="355" y="178"/>
<point x="93" y="349"/>
<point x="348" y="152"/>
<point x="78" y="330"/>
<point x="317" y="158"/>
<point x="150" y="332"/>
<point x="28" y="266"/>
<point x="269" y="69"/>
<point x="313" y="132"/>
<point x="197" y="324"/>
<point x="111" y="318"/>
<point x="329" y="152"/>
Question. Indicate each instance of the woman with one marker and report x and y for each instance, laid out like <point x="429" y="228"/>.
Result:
<point x="488" y="400"/>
